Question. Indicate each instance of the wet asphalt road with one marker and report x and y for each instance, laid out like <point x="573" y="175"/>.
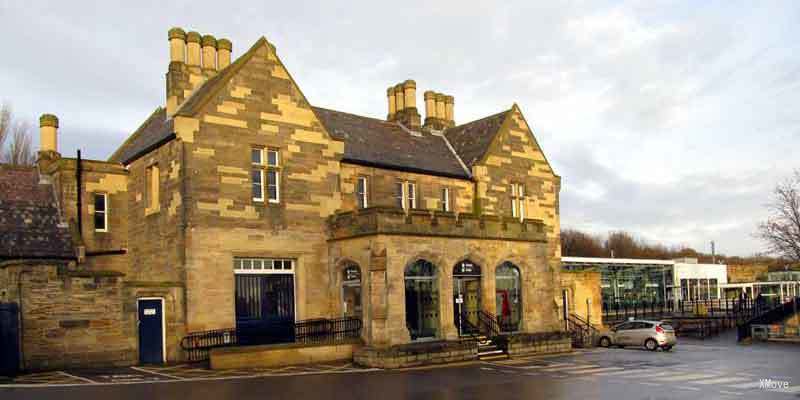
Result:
<point x="715" y="369"/>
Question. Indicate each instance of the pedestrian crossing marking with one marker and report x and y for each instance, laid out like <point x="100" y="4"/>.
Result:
<point x="546" y="365"/>
<point x="622" y="374"/>
<point x="594" y="370"/>
<point x="721" y="380"/>
<point x="685" y="377"/>
<point x="687" y="388"/>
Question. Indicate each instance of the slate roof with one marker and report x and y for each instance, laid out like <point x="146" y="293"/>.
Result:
<point x="471" y="140"/>
<point x="156" y="130"/>
<point x="375" y="142"/>
<point x="29" y="217"/>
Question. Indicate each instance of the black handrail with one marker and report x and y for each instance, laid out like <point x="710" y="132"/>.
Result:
<point x="767" y="313"/>
<point x="197" y="345"/>
<point x="488" y="322"/>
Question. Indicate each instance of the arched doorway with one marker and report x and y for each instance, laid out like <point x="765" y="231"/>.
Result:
<point x="422" y="300"/>
<point x="466" y="296"/>
<point x="509" y="296"/>
<point x="351" y="291"/>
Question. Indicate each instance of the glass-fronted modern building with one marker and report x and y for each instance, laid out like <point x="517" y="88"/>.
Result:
<point x="636" y="280"/>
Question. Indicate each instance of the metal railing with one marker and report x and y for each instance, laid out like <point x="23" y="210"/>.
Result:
<point x="197" y="345"/>
<point x="768" y="313"/>
<point x="583" y="333"/>
<point x="734" y="309"/>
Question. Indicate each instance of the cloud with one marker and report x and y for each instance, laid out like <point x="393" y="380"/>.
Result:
<point x="671" y="119"/>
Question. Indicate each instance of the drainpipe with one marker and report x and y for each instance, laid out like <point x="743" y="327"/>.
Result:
<point x="78" y="191"/>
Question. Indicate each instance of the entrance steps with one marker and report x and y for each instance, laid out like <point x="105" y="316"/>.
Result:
<point x="488" y="351"/>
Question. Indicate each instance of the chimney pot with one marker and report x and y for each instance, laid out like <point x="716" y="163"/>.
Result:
<point x="449" y="101"/>
<point x="399" y="98"/>
<point x="48" y="131"/>
<point x="440" y="114"/>
<point x="209" y="52"/>
<point x="392" y="103"/>
<point x="177" y="45"/>
<point x="193" y="49"/>
<point x="224" y="49"/>
<point x="410" y="94"/>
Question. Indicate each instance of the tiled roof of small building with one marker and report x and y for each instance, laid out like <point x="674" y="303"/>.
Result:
<point x="156" y="130"/>
<point x="471" y="140"/>
<point x="372" y="141"/>
<point x="29" y="217"/>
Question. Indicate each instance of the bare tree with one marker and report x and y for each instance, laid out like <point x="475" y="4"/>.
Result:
<point x="19" y="150"/>
<point x="781" y="230"/>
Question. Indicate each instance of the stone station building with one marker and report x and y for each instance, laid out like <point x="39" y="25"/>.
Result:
<point x="239" y="202"/>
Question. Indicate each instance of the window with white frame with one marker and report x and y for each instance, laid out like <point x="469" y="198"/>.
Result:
<point x="405" y="195"/>
<point x="518" y="201"/>
<point x="265" y="174"/>
<point x="362" y="192"/>
<point x="257" y="265"/>
<point x="411" y="195"/>
<point x="445" y="199"/>
<point x="101" y="212"/>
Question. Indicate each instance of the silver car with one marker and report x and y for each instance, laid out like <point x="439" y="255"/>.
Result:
<point x="650" y="334"/>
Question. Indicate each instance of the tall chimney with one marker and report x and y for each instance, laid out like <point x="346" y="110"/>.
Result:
<point x="440" y="113"/>
<point x="193" y="49"/>
<point x="399" y="98"/>
<point x="392" y="103"/>
<point x="48" y="134"/>
<point x="177" y="45"/>
<point x="449" y="102"/>
<point x="209" y="53"/>
<point x="430" y="107"/>
<point x="224" y="49"/>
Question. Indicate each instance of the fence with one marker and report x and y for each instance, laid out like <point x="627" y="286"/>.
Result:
<point x="768" y="314"/>
<point x="734" y="309"/>
<point x="198" y="344"/>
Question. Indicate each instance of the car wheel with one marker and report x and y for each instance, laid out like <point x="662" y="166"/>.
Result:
<point x="605" y="342"/>
<point x="651" y="345"/>
<point x="667" y="348"/>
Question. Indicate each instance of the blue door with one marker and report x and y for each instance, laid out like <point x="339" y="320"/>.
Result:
<point x="151" y="332"/>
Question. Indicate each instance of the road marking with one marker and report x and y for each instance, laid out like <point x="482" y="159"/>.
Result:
<point x="685" y="377"/>
<point x="649" y="384"/>
<point x="687" y="388"/>
<point x="80" y="378"/>
<point x="157" y="373"/>
<point x="546" y="365"/>
<point x="748" y="385"/>
<point x="532" y="373"/>
<point x="569" y="368"/>
<point x="721" y="380"/>
<point x="594" y="370"/>
<point x="731" y="393"/>
<point x="630" y="373"/>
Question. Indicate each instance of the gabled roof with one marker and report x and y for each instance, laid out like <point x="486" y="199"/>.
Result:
<point x="30" y="223"/>
<point x="379" y="143"/>
<point x="472" y="140"/>
<point x="156" y="130"/>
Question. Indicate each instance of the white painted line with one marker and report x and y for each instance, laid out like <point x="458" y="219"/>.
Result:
<point x="594" y="370"/>
<point x="569" y="368"/>
<point x="545" y="366"/>
<point x="157" y="373"/>
<point x="80" y="378"/>
<point x="532" y="373"/>
<point x="748" y="385"/>
<point x="649" y="384"/>
<point x="224" y="378"/>
<point x="687" y="388"/>
<point x="629" y="372"/>
<point x="685" y="377"/>
<point x="731" y="393"/>
<point x="487" y="369"/>
<point x="721" y="380"/>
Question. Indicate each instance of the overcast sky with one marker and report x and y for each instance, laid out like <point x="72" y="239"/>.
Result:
<point x="672" y="120"/>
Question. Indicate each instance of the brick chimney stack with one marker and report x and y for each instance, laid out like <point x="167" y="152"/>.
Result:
<point x="402" y="100"/>
<point x="48" y="137"/>
<point x="439" y="110"/>
<point x="193" y="58"/>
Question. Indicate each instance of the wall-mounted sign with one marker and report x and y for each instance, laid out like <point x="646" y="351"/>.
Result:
<point x="149" y="311"/>
<point x="466" y="268"/>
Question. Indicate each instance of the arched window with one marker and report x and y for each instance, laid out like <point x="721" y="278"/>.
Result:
<point x="466" y="296"/>
<point x="422" y="300"/>
<point x="351" y="291"/>
<point x="508" y="296"/>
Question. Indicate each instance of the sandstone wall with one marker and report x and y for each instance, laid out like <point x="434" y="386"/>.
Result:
<point x="582" y="286"/>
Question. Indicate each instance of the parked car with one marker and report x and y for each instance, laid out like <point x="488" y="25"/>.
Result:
<point x="650" y="334"/>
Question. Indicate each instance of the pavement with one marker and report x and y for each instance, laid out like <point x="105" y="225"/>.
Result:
<point x="695" y="369"/>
